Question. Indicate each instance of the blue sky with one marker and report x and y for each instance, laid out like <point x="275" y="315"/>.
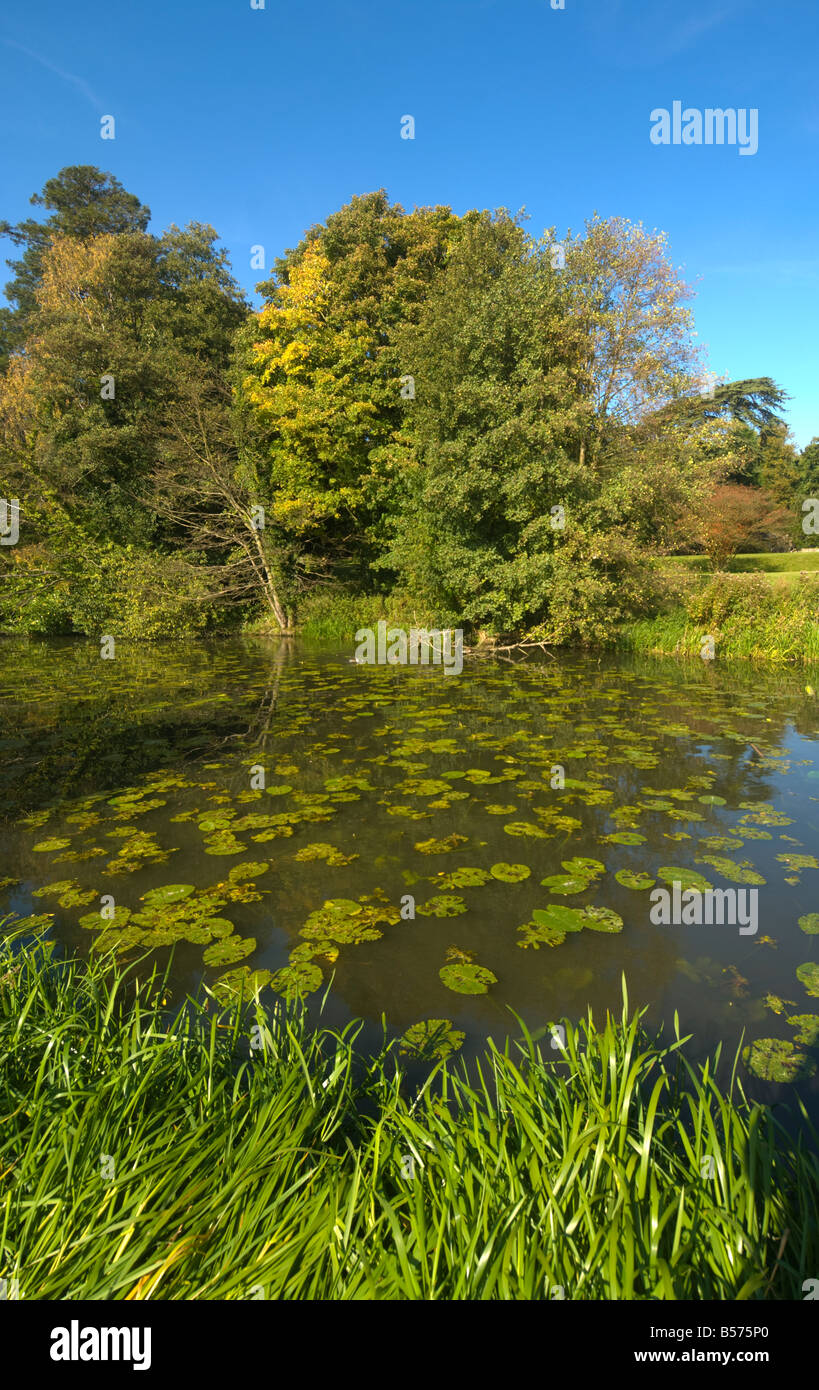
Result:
<point x="262" y="122"/>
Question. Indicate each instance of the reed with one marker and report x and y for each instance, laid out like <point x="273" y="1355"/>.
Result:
<point x="148" y="1152"/>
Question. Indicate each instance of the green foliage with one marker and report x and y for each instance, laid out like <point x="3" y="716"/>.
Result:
<point x="506" y="1197"/>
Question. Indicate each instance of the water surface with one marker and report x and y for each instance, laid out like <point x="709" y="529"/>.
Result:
<point x="384" y="784"/>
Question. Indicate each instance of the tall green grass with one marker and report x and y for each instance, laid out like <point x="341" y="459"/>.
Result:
<point x="144" y="1156"/>
<point x="758" y="617"/>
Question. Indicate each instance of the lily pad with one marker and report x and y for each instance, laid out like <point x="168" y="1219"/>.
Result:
<point x="510" y="873"/>
<point x="728" y="868"/>
<point x="296" y="980"/>
<point x="464" y="877"/>
<point x="687" y="878"/>
<point x="228" y="950"/>
<point x="171" y="893"/>
<point x="524" y="828"/>
<point x="94" y="921"/>
<point x="810" y="923"/>
<point x="443" y="905"/>
<point x="443" y="846"/>
<point x="432" y="1040"/>
<point x="629" y="879"/>
<point x="467" y="979"/>
<point x="249" y="870"/>
<point x="565" y="883"/>
<point x="242" y="982"/>
<point x="602" y="919"/>
<point x="587" y="868"/>
<point x="773" y="1059"/>
<point x="808" y="1026"/>
<point x="808" y="974"/>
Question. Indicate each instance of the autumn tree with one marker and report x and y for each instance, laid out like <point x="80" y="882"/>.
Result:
<point x="735" y="518"/>
<point x="84" y="203"/>
<point x="319" y="379"/>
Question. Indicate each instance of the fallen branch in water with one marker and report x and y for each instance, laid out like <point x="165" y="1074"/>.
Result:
<point x="491" y="649"/>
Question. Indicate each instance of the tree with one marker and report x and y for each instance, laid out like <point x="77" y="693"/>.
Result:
<point x="85" y="203"/>
<point x="736" y="517"/>
<point x="215" y="505"/>
<point x="630" y="305"/>
<point x="319" y="380"/>
<point x="489" y="444"/>
<point x="809" y="470"/>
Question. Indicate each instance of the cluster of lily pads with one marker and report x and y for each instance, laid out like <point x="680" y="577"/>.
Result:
<point x="409" y="778"/>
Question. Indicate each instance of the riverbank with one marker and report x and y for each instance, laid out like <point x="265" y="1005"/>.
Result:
<point x="229" y="1154"/>
<point x="763" y="617"/>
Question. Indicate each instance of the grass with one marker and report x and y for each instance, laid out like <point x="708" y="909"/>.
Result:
<point x="147" y="1157"/>
<point x="758" y="617"/>
<point x="790" y="563"/>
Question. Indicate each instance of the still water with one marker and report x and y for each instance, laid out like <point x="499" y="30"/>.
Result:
<point x="216" y="797"/>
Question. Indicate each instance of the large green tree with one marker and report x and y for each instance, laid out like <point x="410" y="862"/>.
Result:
<point x="319" y="382"/>
<point x="84" y="202"/>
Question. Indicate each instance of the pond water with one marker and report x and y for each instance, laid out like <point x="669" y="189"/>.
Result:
<point x="258" y="781"/>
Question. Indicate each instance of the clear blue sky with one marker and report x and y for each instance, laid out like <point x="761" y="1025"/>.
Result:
<point x="264" y="121"/>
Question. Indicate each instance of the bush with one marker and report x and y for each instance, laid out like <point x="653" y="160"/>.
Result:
<point x="598" y="579"/>
<point x="105" y="588"/>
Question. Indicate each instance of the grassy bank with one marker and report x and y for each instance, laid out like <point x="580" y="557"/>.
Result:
<point x="750" y="616"/>
<point x="762" y="617"/>
<point x="767" y="562"/>
<point x="143" y="1158"/>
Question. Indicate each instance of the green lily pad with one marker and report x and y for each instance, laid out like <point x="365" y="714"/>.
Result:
<point x="464" y="877"/>
<point x="773" y="1059"/>
<point x="565" y="883"/>
<point x="625" y="837"/>
<point x="242" y="982"/>
<point x="443" y="846"/>
<point x="467" y="979"/>
<point x="45" y="846"/>
<point x="808" y="1025"/>
<point x="810" y="923"/>
<point x="249" y="870"/>
<point x="524" y="828"/>
<point x="799" y="861"/>
<point x="728" y="868"/>
<point x="584" y="868"/>
<point x="510" y="873"/>
<point x="281" y="789"/>
<point x="712" y="800"/>
<point x="62" y="886"/>
<point x="119" y="939"/>
<point x="94" y="921"/>
<point x="229" y="949"/>
<point x="808" y="974"/>
<point x="296" y="980"/>
<point x="171" y="893"/>
<point x="602" y="919"/>
<point x="431" y="1040"/>
<point x="443" y="905"/>
<point x="629" y="879"/>
<point x="559" y="918"/>
<point x="687" y="878"/>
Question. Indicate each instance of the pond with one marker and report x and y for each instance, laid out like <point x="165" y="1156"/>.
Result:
<point x="412" y="844"/>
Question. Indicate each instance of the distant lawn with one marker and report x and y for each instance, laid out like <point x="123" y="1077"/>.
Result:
<point x="789" y="564"/>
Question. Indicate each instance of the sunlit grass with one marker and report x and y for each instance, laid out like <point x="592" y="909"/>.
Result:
<point x="148" y="1157"/>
